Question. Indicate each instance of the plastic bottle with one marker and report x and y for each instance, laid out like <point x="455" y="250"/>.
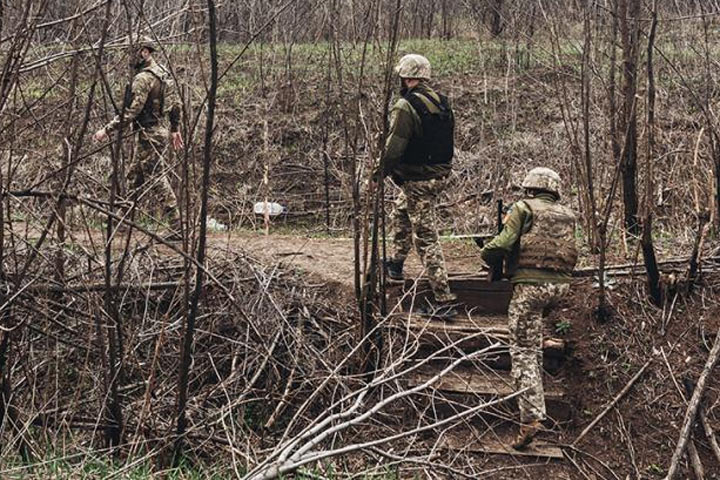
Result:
<point x="271" y="208"/>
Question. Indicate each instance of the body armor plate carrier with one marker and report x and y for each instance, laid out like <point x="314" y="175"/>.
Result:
<point x="152" y="111"/>
<point x="550" y="242"/>
<point x="436" y="144"/>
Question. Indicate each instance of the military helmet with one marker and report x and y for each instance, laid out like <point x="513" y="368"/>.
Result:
<point x="413" y="66"/>
<point x="144" y="41"/>
<point x="541" y="178"/>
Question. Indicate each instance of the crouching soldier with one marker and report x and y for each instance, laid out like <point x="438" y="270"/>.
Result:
<point x="538" y="245"/>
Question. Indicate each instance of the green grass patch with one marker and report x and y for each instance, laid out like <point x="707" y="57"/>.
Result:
<point x="88" y="467"/>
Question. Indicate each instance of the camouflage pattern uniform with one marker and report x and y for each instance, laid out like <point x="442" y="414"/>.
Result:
<point x="414" y="214"/>
<point x="539" y="245"/>
<point x="526" y="336"/>
<point x="153" y="93"/>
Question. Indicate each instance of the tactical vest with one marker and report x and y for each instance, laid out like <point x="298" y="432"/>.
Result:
<point x="435" y="145"/>
<point x="152" y="111"/>
<point x="550" y="242"/>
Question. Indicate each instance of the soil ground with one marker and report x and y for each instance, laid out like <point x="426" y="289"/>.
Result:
<point x="332" y="258"/>
<point x="604" y="356"/>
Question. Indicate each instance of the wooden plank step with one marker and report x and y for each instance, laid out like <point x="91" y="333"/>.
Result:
<point x="469" y="379"/>
<point x="470" y="332"/>
<point x="500" y="445"/>
<point x="461" y="324"/>
<point x="476" y="293"/>
<point x="497" y="359"/>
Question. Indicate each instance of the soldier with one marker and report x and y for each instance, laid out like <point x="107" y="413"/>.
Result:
<point x="153" y="94"/>
<point x="418" y="155"/>
<point x="538" y="244"/>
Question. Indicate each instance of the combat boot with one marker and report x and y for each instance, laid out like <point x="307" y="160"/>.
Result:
<point x="446" y="311"/>
<point x="394" y="271"/>
<point x="526" y="435"/>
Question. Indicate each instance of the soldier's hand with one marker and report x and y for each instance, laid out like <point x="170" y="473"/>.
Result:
<point x="177" y="141"/>
<point x="101" y="135"/>
<point x="377" y="176"/>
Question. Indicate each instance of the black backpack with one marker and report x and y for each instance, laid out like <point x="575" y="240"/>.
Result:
<point x="436" y="144"/>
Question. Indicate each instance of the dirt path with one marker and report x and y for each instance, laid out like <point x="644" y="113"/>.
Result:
<point x="331" y="258"/>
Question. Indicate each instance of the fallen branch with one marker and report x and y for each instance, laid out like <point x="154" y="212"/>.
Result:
<point x="298" y="451"/>
<point x="693" y="407"/>
<point x="614" y="401"/>
<point x="703" y="219"/>
<point x="709" y="433"/>
<point x="52" y="23"/>
<point x="638" y="269"/>
<point x="62" y="196"/>
<point x="695" y="461"/>
<point x="99" y="287"/>
<point x="485" y="196"/>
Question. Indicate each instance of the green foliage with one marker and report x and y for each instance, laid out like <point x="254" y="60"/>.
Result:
<point x="255" y="415"/>
<point x="655" y="469"/>
<point x="186" y="470"/>
<point x="330" y="472"/>
<point x="89" y="466"/>
<point x="562" y="327"/>
<point x="448" y="57"/>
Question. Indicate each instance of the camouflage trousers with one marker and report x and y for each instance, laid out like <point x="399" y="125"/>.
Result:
<point x="149" y="174"/>
<point x="414" y="219"/>
<point x="526" y="339"/>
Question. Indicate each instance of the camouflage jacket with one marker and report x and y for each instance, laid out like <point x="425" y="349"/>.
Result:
<point x="144" y="82"/>
<point x="404" y="124"/>
<point x="505" y="245"/>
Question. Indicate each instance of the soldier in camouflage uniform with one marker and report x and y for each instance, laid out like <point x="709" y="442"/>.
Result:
<point x="538" y="244"/>
<point x="153" y="94"/>
<point x="418" y="155"/>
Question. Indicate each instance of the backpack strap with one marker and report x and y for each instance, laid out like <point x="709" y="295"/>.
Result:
<point x="442" y="104"/>
<point x="416" y="102"/>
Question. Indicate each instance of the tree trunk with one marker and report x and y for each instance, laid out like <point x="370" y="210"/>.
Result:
<point x="192" y="314"/>
<point x="629" y="11"/>
<point x="716" y="170"/>
<point x="497" y="24"/>
<point x="653" y="273"/>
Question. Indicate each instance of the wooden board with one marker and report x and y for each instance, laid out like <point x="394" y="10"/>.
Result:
<point x="469" y="333"/>
<point x="472" y="380"/>
<point x="463" y="324"/>
<point x="500" y="446"/>
<point x="476" y="294"/>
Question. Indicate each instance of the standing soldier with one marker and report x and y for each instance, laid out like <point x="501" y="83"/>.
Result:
<point x="538" y="243"/>
<point x="418" y="155"/>
<point x="152" y="94"/>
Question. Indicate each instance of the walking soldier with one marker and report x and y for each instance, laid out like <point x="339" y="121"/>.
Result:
<point x="152" y="94"/>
